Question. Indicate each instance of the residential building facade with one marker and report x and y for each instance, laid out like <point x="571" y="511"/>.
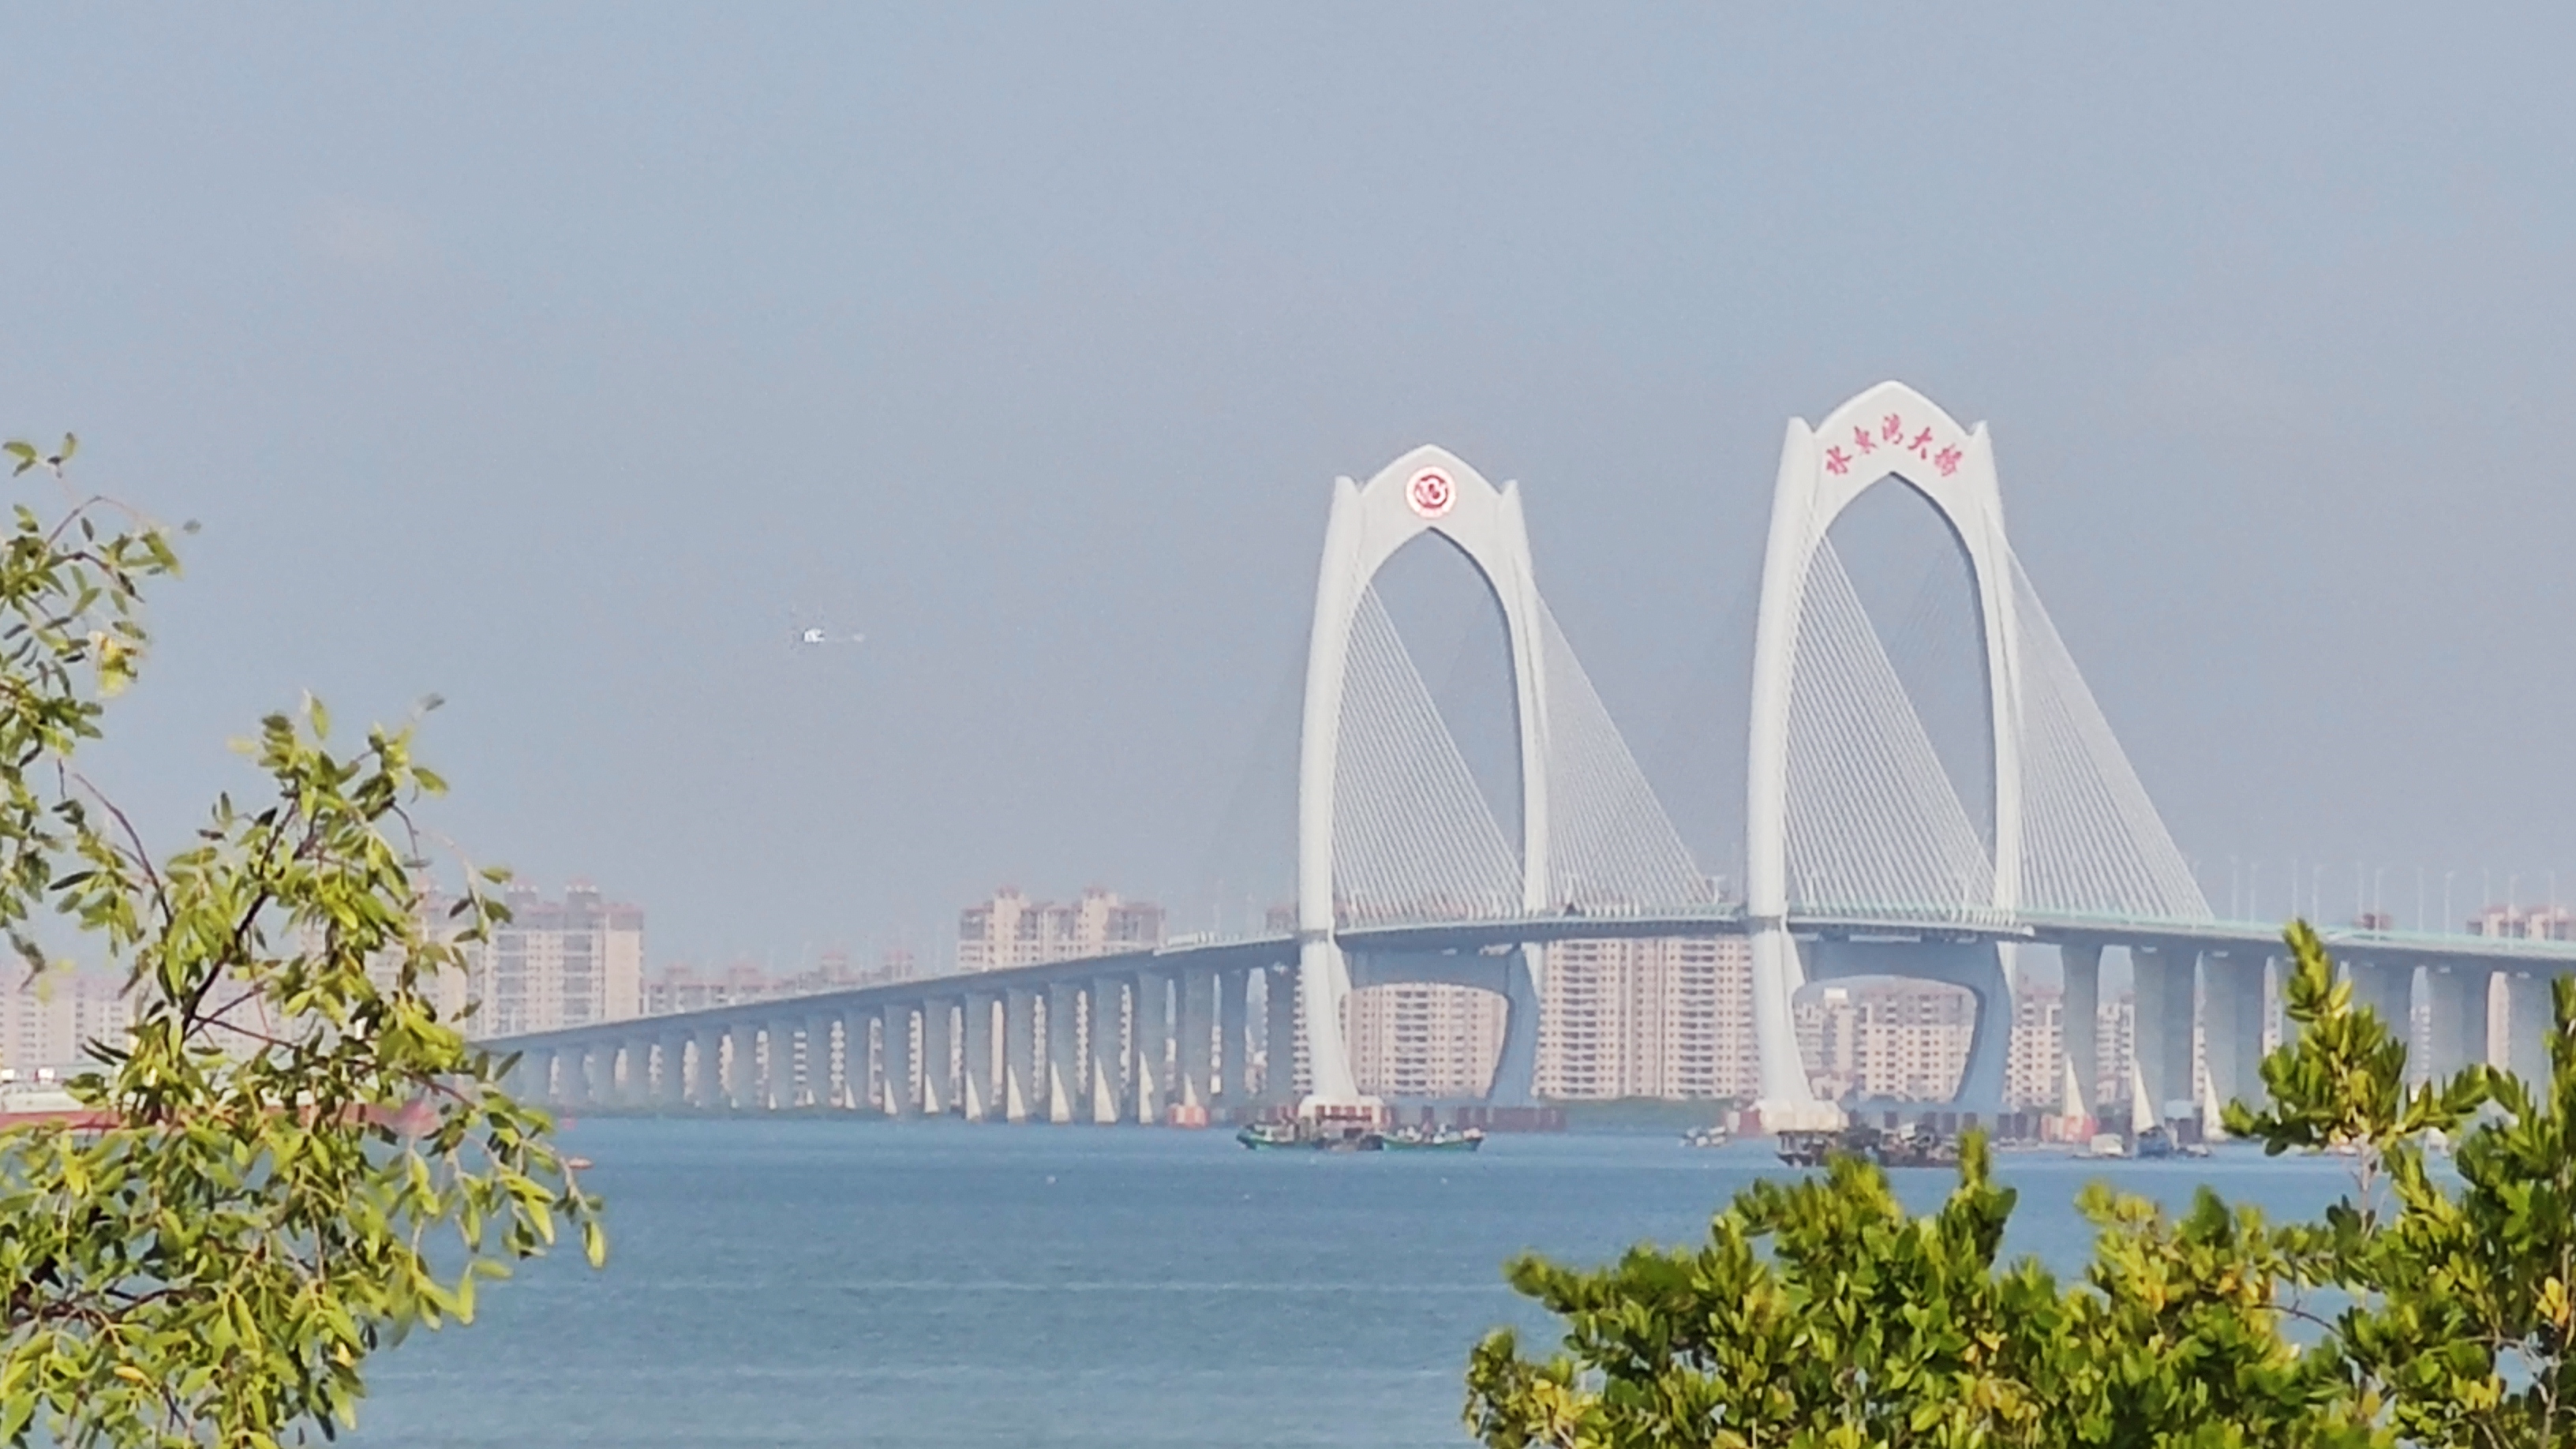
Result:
<point x="559" y="963"/>
<point x="1012" y="930"/>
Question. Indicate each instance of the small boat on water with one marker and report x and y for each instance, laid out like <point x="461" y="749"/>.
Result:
<point x="1712" y="1135"/>
<point x="1321" y="1127"/>
<point x="1918" y="1146"/>
<point x="1354" y="1127"/>
<point x="1432" y="1139"/>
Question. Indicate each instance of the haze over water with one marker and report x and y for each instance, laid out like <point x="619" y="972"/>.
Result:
<point x="805" y="1282"/>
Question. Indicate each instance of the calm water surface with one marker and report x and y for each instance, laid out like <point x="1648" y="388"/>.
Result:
<point x="933" y="1284"/>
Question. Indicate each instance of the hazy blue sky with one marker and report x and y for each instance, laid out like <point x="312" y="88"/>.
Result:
<point x="561" y="359"/>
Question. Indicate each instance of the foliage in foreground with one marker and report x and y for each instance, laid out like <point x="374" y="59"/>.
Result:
<point x="294" y="1134"/>
<point x="2419" y="1311"/>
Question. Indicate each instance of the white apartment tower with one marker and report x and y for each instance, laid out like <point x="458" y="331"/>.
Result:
<point x="1012" y="930"/>
<point x="1651" y="1018"/>
<point x="562" y="963"/>
<point x="1422" y="1039"/>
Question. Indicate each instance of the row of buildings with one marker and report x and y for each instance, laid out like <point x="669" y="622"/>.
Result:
<point x="1621" y="1018"/>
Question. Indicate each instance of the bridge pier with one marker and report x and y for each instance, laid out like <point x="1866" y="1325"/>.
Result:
<point x="1107" y="1027"/>
<point x="894" y="1048"/>
<point x="2528" y="1022"/>
<point x="1279" y="1049"/>
<point x="677" y="1089"/>
<point x="533" y="1079"/>
<point x="1148" y="1034"/>
<point x="975" y="1072"/>
<point x="2232" y="1025"/>
<point x="705" y="1057"/>
<point x="1516" y="1066"/>
<point x="938" y="1064"/>
<point x="2388" y="990"/>
<point x="2079" y="1018"/>
<point x="741" y="1065"/>
<point x="819" y="1088"/>
<point x="572" y="1077"/>
<point x="1019" y="1051"/>
<point x="854" y="1059"/>
<point x="2162" y="983"/>
<point x="1063" y="1061"/>
<point x="1197" y="1030"/>
<point x="2456" y="998"/>
<point x="1232" y="1083"/>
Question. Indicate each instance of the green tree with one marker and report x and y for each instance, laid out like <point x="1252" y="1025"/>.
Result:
<point x="2418" y="1311"/>
<point x="2458" y="1319"/>
<point x="303" y="1161"/>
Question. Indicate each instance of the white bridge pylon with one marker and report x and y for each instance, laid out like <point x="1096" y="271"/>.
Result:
<point x="1391" y="824"/>
<point x="1849" y="812"/>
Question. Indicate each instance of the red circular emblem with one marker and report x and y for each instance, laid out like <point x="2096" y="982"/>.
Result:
<point x="1431" y="493"/>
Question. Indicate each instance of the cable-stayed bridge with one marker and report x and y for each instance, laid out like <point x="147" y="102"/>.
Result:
<point x="1862" y="854"/>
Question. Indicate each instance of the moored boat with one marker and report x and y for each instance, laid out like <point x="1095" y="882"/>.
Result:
<point x="1433" y="1139"/>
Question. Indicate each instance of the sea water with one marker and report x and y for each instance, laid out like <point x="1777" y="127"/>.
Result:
<point x="836" y="1282"/>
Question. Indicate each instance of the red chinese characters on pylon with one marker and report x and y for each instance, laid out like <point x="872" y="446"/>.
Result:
<point x="1894" y="432"/>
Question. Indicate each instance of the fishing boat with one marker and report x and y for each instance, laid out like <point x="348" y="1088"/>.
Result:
<point x="1322" y="1127"/>
<point x="1432" y="1139"/>
<point x="1712" y="1135"/>
<point x="2146" y="1129"/>
<point x="1918" y="1146"/>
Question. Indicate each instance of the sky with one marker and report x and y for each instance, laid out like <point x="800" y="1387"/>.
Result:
<point x="563" y="361"/>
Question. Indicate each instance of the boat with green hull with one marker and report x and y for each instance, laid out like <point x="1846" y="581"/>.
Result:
<point x="1308" y="1135"/>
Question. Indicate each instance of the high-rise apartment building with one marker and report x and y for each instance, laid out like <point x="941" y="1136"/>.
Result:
<point x="1659" y="1018"/>
<point x="562" y="963"/>
<point x="48" y="1018"/>
<point x="1885" y="1037"/>
<point x="1424" y="1039"/>
<point x="1011" y="930"/>
<point x="2034" y="1061"/>
<point x="2035" y="1074"/>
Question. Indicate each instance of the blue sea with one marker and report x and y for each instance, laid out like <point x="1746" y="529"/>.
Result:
<point x="820" y="1282"/>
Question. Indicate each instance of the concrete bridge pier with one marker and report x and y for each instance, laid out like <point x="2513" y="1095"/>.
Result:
<point x="1019" y="1053"/>
<point x="1106" y="1026"/>
<point x="1196" y="1034"/>
<point x="819" y="1088"/>
<point x="671" y="1081"/>
<point x="742" y="1067"/>
<point x="1516" y="1068"/>
<point x="938" y="1063"/>
<point x="1063" y="1047"/>
<point x="2079" y="1019"/>
<point x="706" y="1075"/>
<point x="2529" y="1019"/>
<point x="1233" y="1082"/>
<point x="2163" y="980"/>
<point x="1279" y="1047"/>
<point x="894" y="1048"/>
<point x="533" y="1080"/>
<point x="1148" y="1037"/>
<point x="2388" y="990"/>
<point x="608" y="1087"/>
<point x="2456" y="996"/>
<point x="975" y="1071"/>
<point x="854" y="1059"/>
<point x="2232" y="1024"/>
<point x="671" y="1087"/>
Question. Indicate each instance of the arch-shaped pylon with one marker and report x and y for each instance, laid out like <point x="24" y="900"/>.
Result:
<point x="1428" y="490"/>
<point x="1889" y="430"/>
